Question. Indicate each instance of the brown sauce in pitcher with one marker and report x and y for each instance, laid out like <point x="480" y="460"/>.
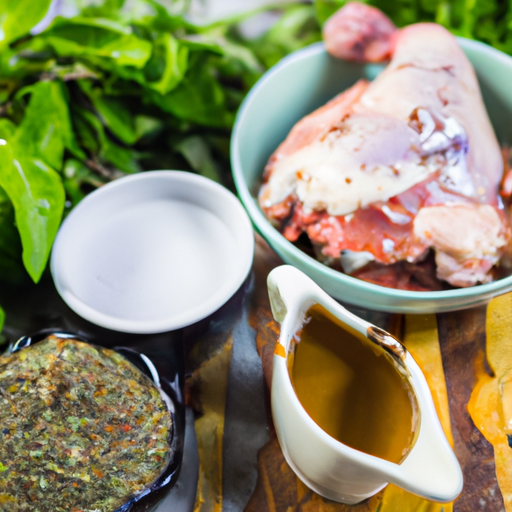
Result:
<point x="351" y="387"/>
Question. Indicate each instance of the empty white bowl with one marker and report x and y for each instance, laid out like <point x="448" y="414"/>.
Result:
<point x="152" y="252"/>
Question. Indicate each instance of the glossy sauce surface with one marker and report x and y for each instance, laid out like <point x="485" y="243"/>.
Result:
<point x="351" y="388"/>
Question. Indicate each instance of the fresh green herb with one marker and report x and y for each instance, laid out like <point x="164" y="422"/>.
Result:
<point x="18" y="18"/>
<point x="116" y="89"/>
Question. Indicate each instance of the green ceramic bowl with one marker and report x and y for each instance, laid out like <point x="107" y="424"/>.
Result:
<point x="296" y="86"/>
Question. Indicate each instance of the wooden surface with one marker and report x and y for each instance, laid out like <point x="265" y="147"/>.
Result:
<point x="462" y="336"/>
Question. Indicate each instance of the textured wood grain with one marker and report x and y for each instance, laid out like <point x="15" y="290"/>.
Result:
<point x="260" y="318"/>
<point x="462" y="336"/>
<point x="490" y="406"/>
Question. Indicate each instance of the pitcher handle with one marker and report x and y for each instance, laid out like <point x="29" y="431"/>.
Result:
<point x="287" y="288"/>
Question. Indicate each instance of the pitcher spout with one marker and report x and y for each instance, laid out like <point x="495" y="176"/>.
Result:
<point x="431" y="469"/>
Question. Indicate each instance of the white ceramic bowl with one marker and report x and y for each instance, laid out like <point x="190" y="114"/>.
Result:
<point x="295" y="87"/>
<point x="152" y="252"/>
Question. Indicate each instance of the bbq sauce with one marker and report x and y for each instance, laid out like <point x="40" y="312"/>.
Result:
<point x="352" y="388"/>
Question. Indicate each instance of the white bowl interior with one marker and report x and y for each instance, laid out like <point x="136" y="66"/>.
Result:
<point x="152" y="252"/>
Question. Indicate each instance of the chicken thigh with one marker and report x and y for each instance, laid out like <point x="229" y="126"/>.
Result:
<point x="392" y="169"/>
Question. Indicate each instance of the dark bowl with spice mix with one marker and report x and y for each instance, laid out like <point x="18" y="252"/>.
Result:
<point x="83" y="428"/>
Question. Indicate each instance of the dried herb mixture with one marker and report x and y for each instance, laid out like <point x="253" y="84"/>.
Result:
<point x="81" y="429"/>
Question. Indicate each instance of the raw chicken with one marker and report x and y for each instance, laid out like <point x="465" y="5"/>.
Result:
<point x="390" y="169"/>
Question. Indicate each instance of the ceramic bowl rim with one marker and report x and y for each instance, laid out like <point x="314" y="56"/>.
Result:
<point x="245" y="244"/>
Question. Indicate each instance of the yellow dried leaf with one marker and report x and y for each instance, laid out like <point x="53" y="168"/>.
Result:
<point x="211" y="380"/>
<point x="490" y="405"/>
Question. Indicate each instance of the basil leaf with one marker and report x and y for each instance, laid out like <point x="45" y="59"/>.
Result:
<point x="104" y="9"/>
<point x="2" y="319"/>
<point x="46" y="128"/>
<point x="113" y="112"/>
<point x="90" y="127"/>
<point x="122" y="158"/>
<point x="38" y="197"/>
<point x="77" y="178"/>
<point x="198" y="98"/>
<point x="11" y="265"/>
<point x="146" y="126"/>
<point x="239" y="61"/>
<point x="324" y="9"/>
<point x="7" y="128"/>
<point x="197" y="152"/>
<point x="296" y="28"/>
<point x="162" y="20"/>
<point x="85" y="132"/>
<point x="98" y="37"/>
<point x="17" y="17"/>
<point x="167" y="65"/>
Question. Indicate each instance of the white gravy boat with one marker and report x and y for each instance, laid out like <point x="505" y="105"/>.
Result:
<point x="329" y="467"/>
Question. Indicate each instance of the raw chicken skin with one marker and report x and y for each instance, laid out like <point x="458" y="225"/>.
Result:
<point x="467" y="238"/>
<point x="359" y="32"/>
<point x="317" y="124"/>
<point x="430" y="70"/>
<point x="389" y="169"/>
